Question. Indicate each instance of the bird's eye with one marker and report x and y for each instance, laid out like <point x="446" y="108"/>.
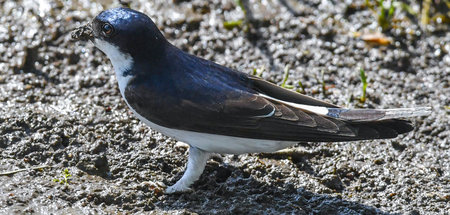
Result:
<point x="107" y="29"/>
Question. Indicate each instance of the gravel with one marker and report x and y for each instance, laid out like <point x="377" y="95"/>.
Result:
<point x="61" y="109"/>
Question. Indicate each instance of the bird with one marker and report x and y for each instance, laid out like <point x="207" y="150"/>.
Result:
<point x="215" y="109"/>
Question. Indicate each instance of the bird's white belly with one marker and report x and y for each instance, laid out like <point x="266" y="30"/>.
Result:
<point x="218" y="143"/>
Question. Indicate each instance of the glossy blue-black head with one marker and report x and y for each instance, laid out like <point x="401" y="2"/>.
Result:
<point x="132" y="32"/>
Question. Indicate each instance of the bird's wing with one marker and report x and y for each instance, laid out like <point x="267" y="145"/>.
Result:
<point x="280" y="93"/>
<point x="255" y="115"/>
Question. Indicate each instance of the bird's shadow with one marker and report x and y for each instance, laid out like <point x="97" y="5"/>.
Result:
<point x="225" y="189"/>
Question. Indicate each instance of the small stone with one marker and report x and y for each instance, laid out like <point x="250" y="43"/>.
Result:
<point x="180" y="144"/>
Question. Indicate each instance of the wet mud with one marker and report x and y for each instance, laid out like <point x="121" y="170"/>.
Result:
<point x="60" y="108"/>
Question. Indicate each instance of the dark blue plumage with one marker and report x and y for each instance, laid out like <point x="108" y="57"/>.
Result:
<point x="177" y="90"/>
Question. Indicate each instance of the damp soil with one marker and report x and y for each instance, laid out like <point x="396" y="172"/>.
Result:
<point x="60" y="108"/>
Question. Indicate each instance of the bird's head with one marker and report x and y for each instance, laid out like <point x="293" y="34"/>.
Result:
<point x="124" y="35"/>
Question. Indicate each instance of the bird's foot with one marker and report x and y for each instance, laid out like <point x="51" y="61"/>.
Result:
<point x="178" y="188"/>
<point x="195" y="166"/>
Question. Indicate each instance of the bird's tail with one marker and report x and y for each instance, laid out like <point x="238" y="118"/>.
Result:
<point x="369" y="115"/>
<point x="378" y="123"/>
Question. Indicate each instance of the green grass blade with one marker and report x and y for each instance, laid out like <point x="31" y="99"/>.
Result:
<point x="363" y="76"/>
<point x="285" y="76"/>
<point x="232" y="24"/>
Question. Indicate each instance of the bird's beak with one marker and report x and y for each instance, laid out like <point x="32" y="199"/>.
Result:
<point x="83" y="33"/>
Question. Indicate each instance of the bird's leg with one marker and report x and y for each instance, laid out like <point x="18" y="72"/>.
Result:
<point x="195" y="166"/>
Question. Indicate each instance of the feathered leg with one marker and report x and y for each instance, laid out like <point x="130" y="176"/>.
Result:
<point x="195" y="166"/>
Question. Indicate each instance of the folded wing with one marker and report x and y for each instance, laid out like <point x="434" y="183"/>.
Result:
<point x="265" y="111"/>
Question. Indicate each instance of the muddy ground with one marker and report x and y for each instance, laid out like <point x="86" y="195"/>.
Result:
<point x="61" y="108"/>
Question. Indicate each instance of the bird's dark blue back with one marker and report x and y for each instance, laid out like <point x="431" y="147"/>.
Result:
<point x="179" y="89"/>
<point x="182" y="76"/>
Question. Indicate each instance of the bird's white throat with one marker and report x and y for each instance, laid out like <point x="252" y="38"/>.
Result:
<point x="120" y="61"/>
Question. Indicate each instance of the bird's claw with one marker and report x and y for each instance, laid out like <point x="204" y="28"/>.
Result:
<point x="178" y="188"/>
